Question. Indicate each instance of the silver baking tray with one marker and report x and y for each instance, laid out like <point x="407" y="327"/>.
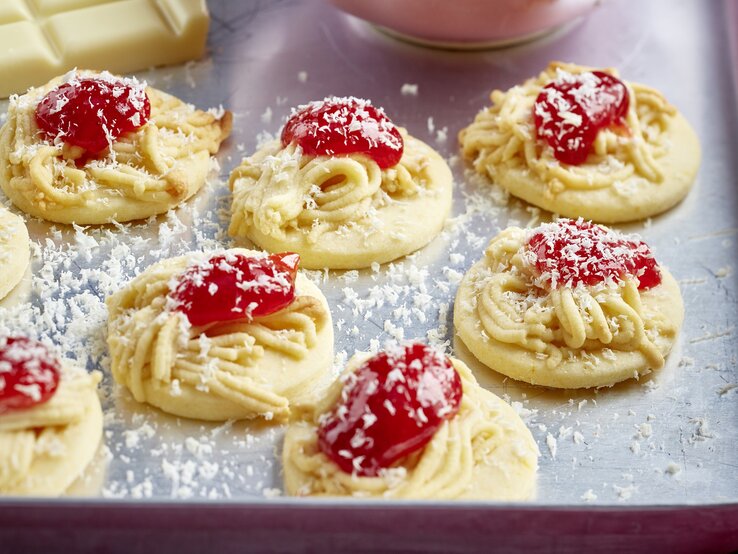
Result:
<point x="643" y="465"/>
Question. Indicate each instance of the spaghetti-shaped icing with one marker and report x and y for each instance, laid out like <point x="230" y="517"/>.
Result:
<point x="153" y="347"/>
<point x="484" y="433"/>
<point x="280" y="189"/>
<point x="143" y="172"/>
<point x="502" y="138"/>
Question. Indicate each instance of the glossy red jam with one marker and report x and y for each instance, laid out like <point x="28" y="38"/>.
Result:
<point x="390" y="407"/>
<point x="571" y="253"/>
<point x="233" y="286"/>
<point x="29" y="374"/>
<point x="338" y="126"/>
<point x="569" y="112"/>
<point x="92" y="112"/>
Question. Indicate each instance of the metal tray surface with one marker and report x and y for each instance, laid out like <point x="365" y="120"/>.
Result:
<point x="667" y="440"/>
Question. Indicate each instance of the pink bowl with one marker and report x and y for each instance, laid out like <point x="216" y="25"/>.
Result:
<point x="467" y="23"/>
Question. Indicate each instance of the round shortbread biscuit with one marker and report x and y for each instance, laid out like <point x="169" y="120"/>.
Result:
<point x="231" y="371"/>
<point x="144" y="172"/>
<point x="626" y="177"/>
<point x="60" y="451"/>
<point x="15" y="251"/>
<point x="341" y="212"/>
<point x="485" y="452"/>
<point x="508" y="323"/>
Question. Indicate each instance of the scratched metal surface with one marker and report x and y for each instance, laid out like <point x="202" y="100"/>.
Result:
<point x="668" y="440"/>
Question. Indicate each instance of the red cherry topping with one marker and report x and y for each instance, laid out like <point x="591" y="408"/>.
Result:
<point x="390" y="407"/>
<point x="570" y="253"/>
<point x="234" y="286"/>
<point x="93" y="112"/>
<point x="29" y="373"/>
<point x="570" y="111"/>
<point x="338" y="126"/>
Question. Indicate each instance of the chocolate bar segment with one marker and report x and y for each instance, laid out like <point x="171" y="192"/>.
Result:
<point x="43" y="38"/>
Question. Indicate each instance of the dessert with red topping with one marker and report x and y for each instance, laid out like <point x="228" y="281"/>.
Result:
<point x="580" y="142"/>
<point x="50" y="419"/>
<point x="342" y="187"/>
<point x="106" y="148"/>
<point x="233" y="335"/>
<point x="409" y="422"/>
<point x="569" y="304"/>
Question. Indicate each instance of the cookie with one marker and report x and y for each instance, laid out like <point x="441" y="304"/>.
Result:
<point x="91" y="148"/>
<point x="568" y="304"/>
<point x="343" y="187"/>
<point x="231" y="335"/>
<point x="410" y="423"/>
<point x="582" y="143"/>
<point x="50" y="420"/>
<point x="15" y="251"/>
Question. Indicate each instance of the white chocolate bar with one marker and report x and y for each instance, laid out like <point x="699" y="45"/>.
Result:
<point x="43" y="38"/>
